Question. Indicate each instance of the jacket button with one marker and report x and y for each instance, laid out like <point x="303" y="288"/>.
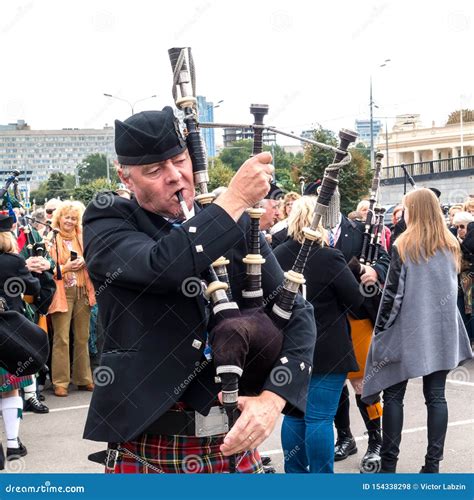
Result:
<point x="197" y="344"/>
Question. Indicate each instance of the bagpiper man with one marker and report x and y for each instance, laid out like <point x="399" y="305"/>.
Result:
<point x="156" y="398"/>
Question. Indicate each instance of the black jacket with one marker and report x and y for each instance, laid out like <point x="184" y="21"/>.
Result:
<point x="332" y="289"/>
<point x="15" y="280"/>
<point x="155" y="329"/>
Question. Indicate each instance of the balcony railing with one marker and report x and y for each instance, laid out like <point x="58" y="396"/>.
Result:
<point x="429" y="167"/>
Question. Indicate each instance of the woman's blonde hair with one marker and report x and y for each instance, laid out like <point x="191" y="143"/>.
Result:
<point x="468" y="205"/>
<point x="68" y="207"/>
<point x="301" y="216"/>
<point x="8" y="243"/>
<point x="291" y="196"/>
<point x="427" y="231"/>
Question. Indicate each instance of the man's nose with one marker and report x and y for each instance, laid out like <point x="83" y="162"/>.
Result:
<point x="173" y="174"/>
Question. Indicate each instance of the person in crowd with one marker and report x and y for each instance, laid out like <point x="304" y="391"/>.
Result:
<point x="464" y="225"/>
<point x="155" y="332"/>
<point x="363" y="208"/>
<point x="418" y="330"/>
<point x="123" y="191"/>
<point x="72" y="302"/>
<point x="398" y="223"/>
<point x="39" y="215"/>
<point x="50" y="206"/>
<point x="279" y="231"/>
<point x="451" y="213"/>
<point x="347" y="236"/>
<point x="468" y="206"/>
<point x="269" y="217"/>
<point x="332" y="289"/>
<point x="15" y="279"/>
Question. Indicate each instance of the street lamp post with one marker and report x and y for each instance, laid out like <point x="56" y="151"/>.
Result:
<point x="371" y="104"/>
<point x="132" y="105"/>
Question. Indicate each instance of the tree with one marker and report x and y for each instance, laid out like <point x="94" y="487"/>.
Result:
<point x="96" y="169"/>
<point x="219" y="175"/>
<point x="87" y="192"/>
<point x="455" y="116"/>
<point x="58" y="185"/>
<point x="354" y="179"/>
<point x="285" y="163"/>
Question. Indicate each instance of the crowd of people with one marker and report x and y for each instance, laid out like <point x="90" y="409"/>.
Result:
<point x="152" y="335"/>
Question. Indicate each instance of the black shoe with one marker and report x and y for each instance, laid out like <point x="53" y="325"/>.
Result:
<point x="429" y="469"/>
<point x="266" y="460"/>
<point x="35" y="406"/>
<point x="2" y="457"/>
<point x="345" y="446"/>
<point x="269" y="469"/>
<point x="372" y="462"/>
<point x="16" y="453"/>
<point x="40" y="396"/>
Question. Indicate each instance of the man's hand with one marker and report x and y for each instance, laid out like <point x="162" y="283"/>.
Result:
<point x="255" y="424"/>
<point x="43" y="264"/>
<point x="249" y="185"/>
<point x="368" y="275"/>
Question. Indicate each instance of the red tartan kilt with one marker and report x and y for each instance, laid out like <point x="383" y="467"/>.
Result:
<point x="182" y="454"/>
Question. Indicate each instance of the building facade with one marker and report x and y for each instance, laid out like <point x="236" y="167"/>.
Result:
<point x="239" y="134"/>
<point x="206" y="114"/>
<point x="410" y="142"/>
<point x="39" y="153"/>
<point x="363" y="129"/>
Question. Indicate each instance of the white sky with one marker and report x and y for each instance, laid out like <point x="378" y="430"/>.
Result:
<point x="311" y="61"/>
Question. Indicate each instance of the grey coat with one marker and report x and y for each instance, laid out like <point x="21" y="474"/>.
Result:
<point x="418" y="330"/>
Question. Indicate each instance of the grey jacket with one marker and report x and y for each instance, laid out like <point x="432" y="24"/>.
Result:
<point x="418" y="330"/>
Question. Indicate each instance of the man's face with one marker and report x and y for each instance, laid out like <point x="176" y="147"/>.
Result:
<point x="270" y="216"/>
<point x="155" y="185"/>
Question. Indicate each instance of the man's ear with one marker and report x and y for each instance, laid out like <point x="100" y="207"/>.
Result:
<point x="124" y="179"/>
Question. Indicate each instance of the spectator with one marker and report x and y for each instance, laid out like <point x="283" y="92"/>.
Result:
<point x="72" y="302"/>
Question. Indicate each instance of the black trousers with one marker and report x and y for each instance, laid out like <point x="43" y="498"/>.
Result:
<point x="392" y="420"/>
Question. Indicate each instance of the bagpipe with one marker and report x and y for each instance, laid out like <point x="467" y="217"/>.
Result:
<point x="245" y="341"/>
<point x="373" y="225"/>
<point x="6" y="200"/>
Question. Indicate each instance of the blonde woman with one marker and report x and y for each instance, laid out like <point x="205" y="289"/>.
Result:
<point x="332" y="289"/>
<point x="281" y="227"/>
<point x="15" y="279"/>
<point x="469" y="206"/>
<point x="419" y="331"/>
<point x="72" y="302"/>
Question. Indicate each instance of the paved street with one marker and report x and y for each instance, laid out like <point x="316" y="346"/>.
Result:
<point x="55" y="441"/>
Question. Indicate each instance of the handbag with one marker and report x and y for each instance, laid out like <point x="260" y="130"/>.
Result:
<point x="24" y="348"/>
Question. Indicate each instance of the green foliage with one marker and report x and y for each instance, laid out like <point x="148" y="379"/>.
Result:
<point x="285" y="163"/>
<point x="96" y="168"/>
<point x="58" y="185"/>
<point x="219" y="174"/>
<point x="354" y="179"/>
<point x="87" y="192"/>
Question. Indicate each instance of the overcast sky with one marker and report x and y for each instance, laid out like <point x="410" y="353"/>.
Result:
<point x="311" y="61"/>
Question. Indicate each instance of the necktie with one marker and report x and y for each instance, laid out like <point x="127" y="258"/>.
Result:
<point x="331" y="239"/>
